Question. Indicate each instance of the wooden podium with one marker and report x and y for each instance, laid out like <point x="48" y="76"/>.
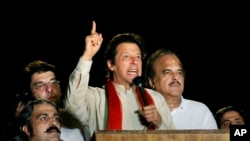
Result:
<point x="163" y="135"/>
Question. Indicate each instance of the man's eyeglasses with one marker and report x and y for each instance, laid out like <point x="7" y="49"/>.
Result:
<point x="42" y="85"/>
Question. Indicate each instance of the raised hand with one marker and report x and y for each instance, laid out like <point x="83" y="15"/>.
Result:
<point x="19" y="108"/>
<point x="92" y="43"/>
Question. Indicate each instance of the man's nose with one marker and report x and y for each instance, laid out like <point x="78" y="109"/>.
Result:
<point x="134" y="60"/>
<point x="54" y="121"/>
<point x="48" y="87"/>
<point x="175" y="76"/>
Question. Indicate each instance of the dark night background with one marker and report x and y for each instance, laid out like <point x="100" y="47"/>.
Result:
<point x="212" y="41"/>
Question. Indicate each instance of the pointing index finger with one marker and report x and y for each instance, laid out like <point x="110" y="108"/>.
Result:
<point x="93" y="30"/>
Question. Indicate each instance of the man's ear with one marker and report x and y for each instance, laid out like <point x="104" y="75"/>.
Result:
<point x="151" y="83"/>
<point x="110" y="65"/>
<point x="26" y="130"/>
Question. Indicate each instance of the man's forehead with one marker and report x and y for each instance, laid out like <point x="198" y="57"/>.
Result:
<point x="38" y="76"/>
<point x="44" y="108"/>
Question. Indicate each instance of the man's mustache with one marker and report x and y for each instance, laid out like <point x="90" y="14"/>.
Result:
<point x="175" y="82"/>
<point x="53" y="128"/>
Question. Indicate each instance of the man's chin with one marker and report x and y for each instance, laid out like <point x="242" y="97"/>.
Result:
<point x="54" y="135"/>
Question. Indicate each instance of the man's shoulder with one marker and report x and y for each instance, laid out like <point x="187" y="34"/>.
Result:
<point x="71" y="134"/>
<point x="195" y="104"/>
<point x="154" y="94"/>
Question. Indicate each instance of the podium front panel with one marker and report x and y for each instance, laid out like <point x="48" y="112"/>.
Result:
<point x="163" y="135"/>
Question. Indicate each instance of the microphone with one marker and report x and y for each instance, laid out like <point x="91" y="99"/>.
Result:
<point x="138" y="82"/>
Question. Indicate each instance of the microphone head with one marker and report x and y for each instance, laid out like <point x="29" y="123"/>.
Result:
<point x="138" y="81"/>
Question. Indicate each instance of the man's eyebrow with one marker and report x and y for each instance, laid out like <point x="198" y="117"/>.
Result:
<point x="42" y="114"/>
<point x="38" y="82"/>
<point x="238" y="118"/>
<point x="225" y="121"/>
<point x="54" y="78"/>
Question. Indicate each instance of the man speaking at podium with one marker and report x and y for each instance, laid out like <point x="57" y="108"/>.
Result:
<point x="119" y="105"/>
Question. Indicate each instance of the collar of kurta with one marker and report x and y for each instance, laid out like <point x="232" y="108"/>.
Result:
<point x="113" y="108"/>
